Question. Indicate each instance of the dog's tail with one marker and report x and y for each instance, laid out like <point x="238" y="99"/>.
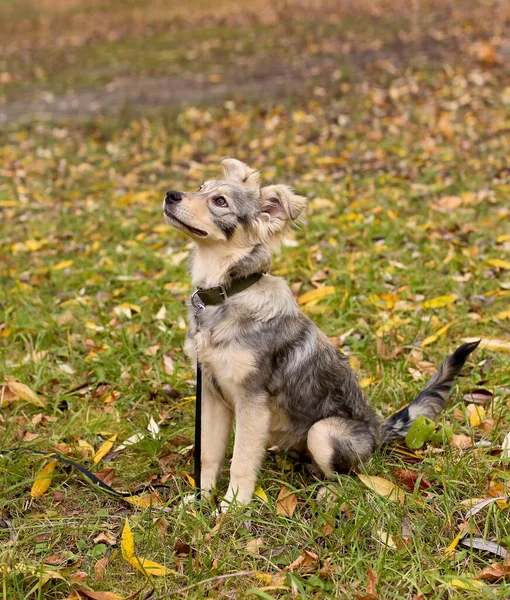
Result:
<point x="431" y="400"/>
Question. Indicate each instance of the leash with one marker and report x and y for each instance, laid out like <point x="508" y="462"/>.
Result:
<point x="130" y="497"/>
<point x="201" y="298"/>
<point x="198" y="433"/>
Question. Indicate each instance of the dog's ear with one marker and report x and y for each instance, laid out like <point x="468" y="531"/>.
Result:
<point x="280" y="206"/>
<point x="237" y="172"/>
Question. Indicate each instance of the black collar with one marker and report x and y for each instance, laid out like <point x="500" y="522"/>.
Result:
<point x="217" y="295"/>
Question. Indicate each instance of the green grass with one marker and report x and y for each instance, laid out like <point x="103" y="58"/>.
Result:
<point x="83" y="238"/>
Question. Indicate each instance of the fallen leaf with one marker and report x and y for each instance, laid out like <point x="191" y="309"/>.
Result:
<point x="476" y="414"/>
<point x="495" y="344"/>
<point x="481" y="504"/>
<point x="43" y="480"/>
<point x="149" y="567"/>
<point x="65" y="264"/>
<point x="255" y="546"/>
<point x="106" y="537"/>
<point x="153" y="428"/>
<point x="316" y="295"/>
<point x="500" y="264"/>
<point x="306" y="561"/>
<point x="495" y="571"/>
<point x="478" y="396"/>
<point x="371" y="593"/>
<point x="478" y="543"/>
<point x="106" y="475"/>
<point x="466" y="584"/>
<point x="439" y="302"/>
<point x="104" y="449"/>
<point x="259" y="492"/>
<point x="505" y="446"/>
<point x="161" y="314"/>
<point x="448" y="203"/>
<point x="286" y="502"/>
<point x="23" y="392"/>
<point x="100" y="567"/>
<point x="127" y="543"/>
<point x="98" y="595"/>
<point x="383" y="487"/>
<point x="461" y="441"/>
<point x="168" y="364"/>
<point x="409" y="478"/>
<point x="455" y="542"/>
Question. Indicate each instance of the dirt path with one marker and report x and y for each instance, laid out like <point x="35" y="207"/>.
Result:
<point x="158" y="92"/>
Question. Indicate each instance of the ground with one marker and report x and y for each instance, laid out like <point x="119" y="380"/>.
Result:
<point x="392" y="118"/>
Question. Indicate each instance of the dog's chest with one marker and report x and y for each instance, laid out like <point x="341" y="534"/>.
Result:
<point x="227" y="360"/>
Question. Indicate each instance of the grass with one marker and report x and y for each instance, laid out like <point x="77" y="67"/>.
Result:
<point x="87" y="263"/>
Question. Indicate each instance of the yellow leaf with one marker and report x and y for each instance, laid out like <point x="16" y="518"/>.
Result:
<point x="502" y="238"/>
<point x="505" y="314"/>
<point x="500" y="264"/>
<point x="25" y="393"/>
<point x="86" y="446"/>
<point x="389" y="299"/>
<point x="366" y="382"/>
<point x="466" y="584"/>
<point x="267" y="578"/>
<point x="428" y="340"/>
<point x="491" y="343"/>
<point x="104" y="449"/>
<point x="43" y="480"/>
<point x="259" y="492"/>
<point x="34" y="245"/>
<point x="127" y="543"/>
<point x="476" y="414"/>
<point x="383" y="487"/>
<point x="190" y="479"/>
<point x="62" y="265"/>
<point x="439" y="302"/>
<point x="141" y="502"/>
<point x="455" y="542"/>
<point x="444" y="329"/>
<point x="315" y="295"/>
<point x="149" y="567"/>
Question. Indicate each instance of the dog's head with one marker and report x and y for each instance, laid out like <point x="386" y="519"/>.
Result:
<point x="234" y="210"/>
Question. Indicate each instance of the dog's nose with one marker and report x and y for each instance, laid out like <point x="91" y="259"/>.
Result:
<point x="172" y="197"/>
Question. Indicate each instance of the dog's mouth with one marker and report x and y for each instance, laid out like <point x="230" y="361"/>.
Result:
<point x="194" y="230"/>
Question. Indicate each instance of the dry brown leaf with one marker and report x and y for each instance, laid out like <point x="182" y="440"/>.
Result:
<point x="168" y="364"/>
<point x="106" y="537"/>
<point x="409" y="478"/>
<point x="306" y="561"/>
<point x="98" y="595"/>
<point x="447" y="203"/>
<point x="100" y="567"/>
<point x="286" y="502"/>
<point x="255" y="546"/>
<point x="461" y="441"/>
<point x="496" y="571"/>
<point x="106" y="475"/>
<point x="371" y="593"/>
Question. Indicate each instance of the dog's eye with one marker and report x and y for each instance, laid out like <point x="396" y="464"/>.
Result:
<point x="200" y="188"/>
<point x="220" y="201"/>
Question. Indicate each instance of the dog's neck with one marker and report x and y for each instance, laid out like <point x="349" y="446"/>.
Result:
<point x="219" y="265"/>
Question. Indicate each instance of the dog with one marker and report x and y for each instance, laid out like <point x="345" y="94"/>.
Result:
<point x="263" y="361"/>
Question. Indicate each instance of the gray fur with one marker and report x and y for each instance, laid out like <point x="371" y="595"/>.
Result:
<point x="267" y="362"/>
